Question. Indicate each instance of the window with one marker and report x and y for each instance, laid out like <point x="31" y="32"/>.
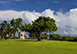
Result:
<point x="21" y="35"/>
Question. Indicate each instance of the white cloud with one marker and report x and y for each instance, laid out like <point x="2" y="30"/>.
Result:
<point x="43" y="2"/>
<point x="9" y="2"/>
<point x="73" y="10"/>
<point x="3" y="2"/>
<point x="9" y="14"/>
<point x="47" y="13"/>
<point x="55" y="1"/>
<point x="30" y="16"/>
<point x="67" y="22"/>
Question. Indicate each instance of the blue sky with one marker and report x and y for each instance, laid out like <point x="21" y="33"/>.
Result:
<point x="64" y="12"/>
<point x="38" y="5"/>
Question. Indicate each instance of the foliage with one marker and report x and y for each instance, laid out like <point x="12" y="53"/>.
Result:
<point x="43" y="24"/>
<point x="15" y="24"/>
<point x="25" y="36"/>
<point x="43" y="36"/>
<point x="62" y="38"/>
<point x="7" y="30"/>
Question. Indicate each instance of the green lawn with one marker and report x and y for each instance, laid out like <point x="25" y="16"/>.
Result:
<point x="37" y="47"/>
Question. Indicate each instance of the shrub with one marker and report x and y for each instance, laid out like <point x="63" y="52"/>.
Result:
<point x="75" y="39"/>
<point x="62" y="38"/>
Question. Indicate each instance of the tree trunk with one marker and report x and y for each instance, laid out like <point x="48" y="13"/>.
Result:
<point x="2" y="36"/>
<point x="14" y="36"/>
<point x="10" y="36"/>
<point x="5" y="37"/>
<point x="38" y="37"/>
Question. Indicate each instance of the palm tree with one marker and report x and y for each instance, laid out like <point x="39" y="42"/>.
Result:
<point x="3" y="29"/>
<point x="9" y="30"/>
<point x="19" y="23"/>
<point x="14" y="32"/>
<point x="14" y="27"/>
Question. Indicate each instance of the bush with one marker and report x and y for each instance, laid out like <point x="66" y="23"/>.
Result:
<point x="62" y="38"/>
<point x="15" y="37"/>
<point x="75" y="39"/>
<point x="53" y="36"/>
<point x="25" y="36"/>
<point x="59" y="37"/>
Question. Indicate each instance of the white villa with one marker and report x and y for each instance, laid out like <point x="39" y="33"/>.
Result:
<point x="21" y="35"/>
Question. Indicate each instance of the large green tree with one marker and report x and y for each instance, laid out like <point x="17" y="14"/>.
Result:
<point x="43" y="24"/>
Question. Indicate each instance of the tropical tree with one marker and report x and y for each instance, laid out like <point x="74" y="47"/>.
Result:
<point x="19" y="22"/>
<point x="13" y="24"/>
<point x="41" y="24"/>
<point x="27" y="28"/>
<point x="3" y="29"/>
<point x="16" y="24"/>
<point x="9" y="32"/>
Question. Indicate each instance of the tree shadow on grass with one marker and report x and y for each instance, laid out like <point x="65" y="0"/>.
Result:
<point x="27" y="40"/>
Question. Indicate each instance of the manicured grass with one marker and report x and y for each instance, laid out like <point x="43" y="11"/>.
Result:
<point x="37" y="47"/>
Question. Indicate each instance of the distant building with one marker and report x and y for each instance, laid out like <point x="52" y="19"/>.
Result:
<point x="21" y="35"/>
